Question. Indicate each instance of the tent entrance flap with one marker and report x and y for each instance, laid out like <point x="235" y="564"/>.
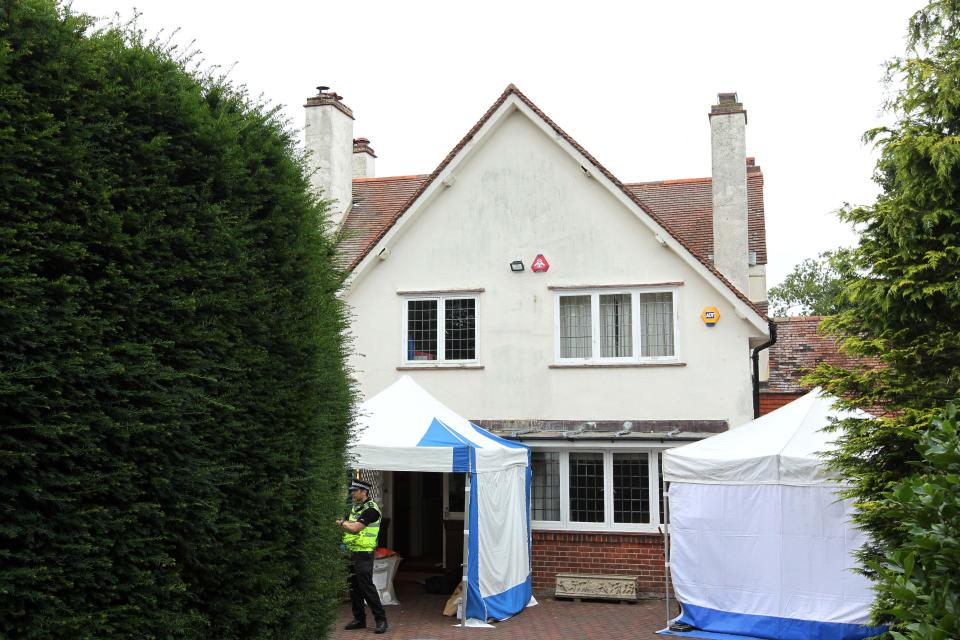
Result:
<point x="404" y="428"/>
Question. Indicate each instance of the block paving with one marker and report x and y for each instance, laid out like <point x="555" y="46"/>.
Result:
<point x="419" y="617"/>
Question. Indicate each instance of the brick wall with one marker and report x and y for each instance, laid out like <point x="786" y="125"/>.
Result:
<point x="772" y="401"/>
<point x="612" y="553"/>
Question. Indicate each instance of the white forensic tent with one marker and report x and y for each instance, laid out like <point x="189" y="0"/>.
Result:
<point x="761" y="543"/>
<point x="404" y="428"/>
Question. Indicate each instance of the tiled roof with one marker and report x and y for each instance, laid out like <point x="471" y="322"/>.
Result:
<point x="375" y="203"/>
<point x="387" y="219"/>
<point x="798" y="349"/>
<point x="686" y="206"/>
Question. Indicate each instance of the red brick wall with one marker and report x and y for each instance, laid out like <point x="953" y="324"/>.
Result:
<point x="772" y="401"/>
<point x="611" y="553"/>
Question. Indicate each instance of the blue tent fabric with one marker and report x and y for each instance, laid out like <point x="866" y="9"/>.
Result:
<point x="704" y="635"/>
<point x="754" y="626"/>
<point x="440" y="435"/>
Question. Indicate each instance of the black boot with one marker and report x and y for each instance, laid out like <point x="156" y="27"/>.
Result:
<point x="381" y="626"/>
<point x="356" y="624"/>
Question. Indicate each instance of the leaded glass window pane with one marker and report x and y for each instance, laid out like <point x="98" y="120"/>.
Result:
<point x="545" y="485"/>
<point x="576" y="335"/>
<point x="616" y="326"/>
<point x="656" y="325"/>
<point x="461" y="325"/>
<point x="631" y="487"/>
<point x="421" y="330"/>
<point x="586" y="487"/>
<point x="661" y="485"/>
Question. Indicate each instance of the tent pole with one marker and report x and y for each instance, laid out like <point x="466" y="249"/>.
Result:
<point x="466" y="547"/>
<point x="666" y="550"/>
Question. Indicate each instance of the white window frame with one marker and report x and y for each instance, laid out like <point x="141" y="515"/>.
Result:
<point x="608" y="524"/>
<point x="595" y="348"/>
<point x="441" y="330"/>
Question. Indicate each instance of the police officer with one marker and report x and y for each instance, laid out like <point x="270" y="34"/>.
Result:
<point x="360" y="537"/>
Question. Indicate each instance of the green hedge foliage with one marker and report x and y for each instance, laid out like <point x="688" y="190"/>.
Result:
<point x="174" y="403"/>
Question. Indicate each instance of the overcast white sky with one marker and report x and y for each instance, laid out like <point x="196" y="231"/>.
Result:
<point x="631" y="81"/>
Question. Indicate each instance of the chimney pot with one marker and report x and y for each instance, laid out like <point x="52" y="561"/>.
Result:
<point x="727" y="104"/>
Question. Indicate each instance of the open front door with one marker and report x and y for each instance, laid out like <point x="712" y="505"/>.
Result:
<point x="453" y="496"/>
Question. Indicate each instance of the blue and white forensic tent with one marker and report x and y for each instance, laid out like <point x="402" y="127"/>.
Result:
<point x="761" y="543"/>
<point x="404" y="428"/>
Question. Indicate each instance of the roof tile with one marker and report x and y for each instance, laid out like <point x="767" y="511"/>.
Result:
<point x="375" y="203"/>
<point x="799" y="348"/>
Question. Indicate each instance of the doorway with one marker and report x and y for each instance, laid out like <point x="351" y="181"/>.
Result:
<point x="418" y="520"/>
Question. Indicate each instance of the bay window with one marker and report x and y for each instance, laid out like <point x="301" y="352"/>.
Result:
<point x="591" y="490"/>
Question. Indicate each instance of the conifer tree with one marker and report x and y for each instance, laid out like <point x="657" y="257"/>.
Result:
<point x="903" y="309"/>
<point x="174" y="401"/>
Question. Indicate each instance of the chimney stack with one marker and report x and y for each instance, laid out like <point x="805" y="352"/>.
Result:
<point x="328" y="136"/>
<point x="363" y="157"/>
<point x="728" y="120"/>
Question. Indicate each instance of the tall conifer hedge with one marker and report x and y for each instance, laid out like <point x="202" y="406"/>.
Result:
<point x="173" y="396"/>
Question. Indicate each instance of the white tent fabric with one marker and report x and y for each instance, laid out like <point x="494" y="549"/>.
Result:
<point x="779" y="448"/>
<point x="761" y="543"/>
<point x="404" y="428"/>
<point x="394" y="423"/>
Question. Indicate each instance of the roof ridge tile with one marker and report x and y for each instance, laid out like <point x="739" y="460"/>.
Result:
<point x="419" y="176"/>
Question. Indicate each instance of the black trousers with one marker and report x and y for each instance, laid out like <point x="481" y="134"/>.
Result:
<point x="362" y="587"/>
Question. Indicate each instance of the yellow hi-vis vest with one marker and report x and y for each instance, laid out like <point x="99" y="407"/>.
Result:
<point x="366" y="540"/>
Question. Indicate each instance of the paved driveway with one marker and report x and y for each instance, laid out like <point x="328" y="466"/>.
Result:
<point x="419" y="617"/>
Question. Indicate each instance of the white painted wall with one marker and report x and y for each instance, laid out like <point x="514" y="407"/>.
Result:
<point x="518" y="195"/>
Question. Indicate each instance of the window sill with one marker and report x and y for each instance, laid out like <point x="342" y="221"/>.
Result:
<point x="553" y="527"/>
<point x="615" y="365"/>
<point x="436" y="365"/>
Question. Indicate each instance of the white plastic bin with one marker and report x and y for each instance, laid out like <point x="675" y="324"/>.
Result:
<point x="384" y="569"/>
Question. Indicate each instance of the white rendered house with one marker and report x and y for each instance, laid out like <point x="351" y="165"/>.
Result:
<point x="529" y="289"/>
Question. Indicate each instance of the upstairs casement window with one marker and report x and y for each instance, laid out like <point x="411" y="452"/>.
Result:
<point x="590" y="490"/>
<point x="440" y="329"/>
<point x="611" y="326"/>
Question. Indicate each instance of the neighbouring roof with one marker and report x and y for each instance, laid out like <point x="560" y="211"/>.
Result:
<point x="798" y="349"/>
<point x="374" y="211"/>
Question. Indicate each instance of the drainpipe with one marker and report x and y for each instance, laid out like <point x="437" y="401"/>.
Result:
<point x="755" y="356"/>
